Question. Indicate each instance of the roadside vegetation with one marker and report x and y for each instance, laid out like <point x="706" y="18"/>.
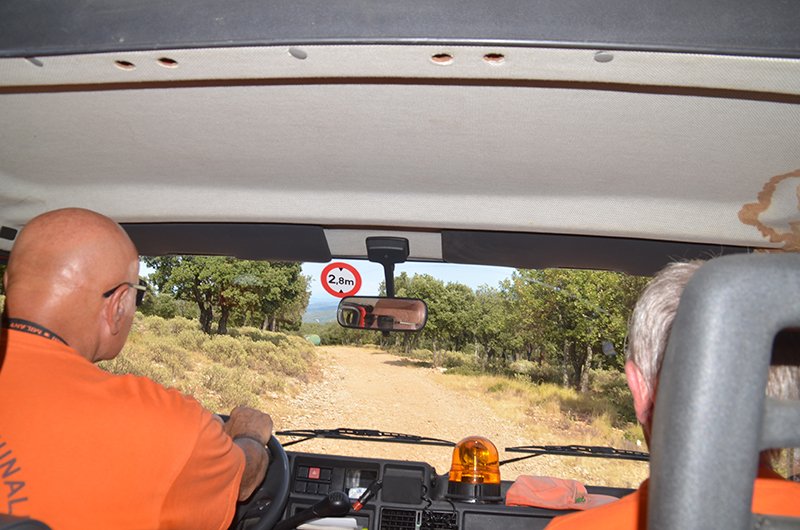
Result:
<point x="247" y="367"/>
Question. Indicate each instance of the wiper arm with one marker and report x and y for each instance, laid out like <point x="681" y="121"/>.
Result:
<point x="575" y="450"/>
<point x="362" y="434"/>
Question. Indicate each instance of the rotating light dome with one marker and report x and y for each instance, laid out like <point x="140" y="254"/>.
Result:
<point x="475" y="472"/>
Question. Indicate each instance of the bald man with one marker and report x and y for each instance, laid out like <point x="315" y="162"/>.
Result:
<point x="81" y="448"/>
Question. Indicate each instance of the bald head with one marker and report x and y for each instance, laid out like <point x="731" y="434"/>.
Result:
<point x="61" y="264"/>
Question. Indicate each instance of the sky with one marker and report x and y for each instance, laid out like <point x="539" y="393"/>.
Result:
<point x="372" y="275"/>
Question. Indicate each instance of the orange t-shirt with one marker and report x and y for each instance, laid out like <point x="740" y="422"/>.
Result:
<point x="772" y="495"/>
<point x="81" y="448"/>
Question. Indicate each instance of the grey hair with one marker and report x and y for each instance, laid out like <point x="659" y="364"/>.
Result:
<point x="784" y="374"/>
<point x="651" y="325"/>
<point x="652" y="319"/>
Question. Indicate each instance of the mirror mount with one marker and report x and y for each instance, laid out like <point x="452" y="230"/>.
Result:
<point x="387" y="251"/>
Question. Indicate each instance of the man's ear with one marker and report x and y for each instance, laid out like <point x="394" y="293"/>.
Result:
<point x="115" y="311"/>
<point x="643" y="398"/>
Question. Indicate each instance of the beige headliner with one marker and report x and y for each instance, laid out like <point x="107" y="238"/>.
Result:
<point x="544" y="140"/>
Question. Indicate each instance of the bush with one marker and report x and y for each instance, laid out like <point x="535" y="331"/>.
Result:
<point x="538" y="373"/>
<point x="135" y="361"/>
<point x="154" y="324"/>
<point x="179" y="324"/>
<point x="464" y="369"/>
<point x="244" y="365"/>
<point x="168" y="353"/>
<point x="454" y="359"/>
<point x="235" y="387"/>
<point x="293" y="357"/>
<point x="613" y="386"/>
<point x="192" y="339"/>
<point x="226" y="350"/>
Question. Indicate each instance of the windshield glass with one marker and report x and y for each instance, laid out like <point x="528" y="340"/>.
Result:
<point x="521" y="357"/>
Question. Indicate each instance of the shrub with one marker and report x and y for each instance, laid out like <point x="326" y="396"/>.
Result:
<point x="613" y="386"/>
<point x="179" y="324"/>
<point x="454" y="359"/>
<point x="292" y="356"/>
<point x="154" y="324"/>
<point x="225" y="349"/>
<point x="133" y="360"/>
<point x="422" y="355"/>
<point x="464" y="369"/>
<point x="235" y="387"/>
<point x="168" y="353"/>
<point x="538" y="373"/>
<point x="192" y="339"/>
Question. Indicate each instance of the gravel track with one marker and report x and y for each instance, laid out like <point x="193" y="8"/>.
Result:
<point x="368" y="389"/>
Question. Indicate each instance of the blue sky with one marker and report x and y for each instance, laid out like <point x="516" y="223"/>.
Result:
<point x="372" y="275"/>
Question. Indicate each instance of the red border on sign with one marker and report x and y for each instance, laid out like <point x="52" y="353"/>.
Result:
<point x="339" y="265"/>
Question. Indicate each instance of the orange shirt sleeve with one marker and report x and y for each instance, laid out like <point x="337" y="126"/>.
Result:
<point x="204" y="494"/>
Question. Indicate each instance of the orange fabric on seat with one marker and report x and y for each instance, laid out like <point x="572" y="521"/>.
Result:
<point x="773" y="495"/>
<point x="81" y="448"/>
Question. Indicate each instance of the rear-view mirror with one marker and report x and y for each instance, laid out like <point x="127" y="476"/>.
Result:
<point x="382" y="314"/>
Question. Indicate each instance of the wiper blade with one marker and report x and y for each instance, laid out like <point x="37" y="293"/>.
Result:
<point x="362" y="434"/>
<point x="575" y="450"/>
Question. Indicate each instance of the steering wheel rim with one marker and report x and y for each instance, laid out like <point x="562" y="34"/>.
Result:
<point x="269" y="500"/>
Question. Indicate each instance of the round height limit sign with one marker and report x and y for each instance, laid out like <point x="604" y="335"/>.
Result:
<point x="341" y="279"/>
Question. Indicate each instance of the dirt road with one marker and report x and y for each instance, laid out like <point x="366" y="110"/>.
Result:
<point x="367" y="389"/>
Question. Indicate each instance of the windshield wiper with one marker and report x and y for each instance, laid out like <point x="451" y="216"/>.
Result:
<point x="362" y="434"/>
<point x="575" y="450"/>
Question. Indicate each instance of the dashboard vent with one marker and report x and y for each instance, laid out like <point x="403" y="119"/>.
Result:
<point x="422" y="520"/>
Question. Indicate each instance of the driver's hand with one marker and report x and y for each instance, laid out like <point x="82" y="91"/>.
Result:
<point x="249" y="423"/>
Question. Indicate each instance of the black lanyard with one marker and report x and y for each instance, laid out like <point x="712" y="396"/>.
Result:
<point x="26" y="326"/>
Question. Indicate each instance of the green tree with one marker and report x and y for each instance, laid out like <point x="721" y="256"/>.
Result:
<point x="195" y="278"/>
<point x="289" y="317"/>
<point x="577" y="309"/>
<point x="233" y="287"/>
<point x="159" y="304"/>
<point x="456" y="308"/>
<point x="431" y="290"/>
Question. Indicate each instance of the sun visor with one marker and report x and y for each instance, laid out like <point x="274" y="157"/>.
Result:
<point x="269" y="242"/>
<point x="540" y="251"/>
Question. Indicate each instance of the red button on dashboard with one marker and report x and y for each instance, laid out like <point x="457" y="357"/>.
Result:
<point x="313" y="472"/>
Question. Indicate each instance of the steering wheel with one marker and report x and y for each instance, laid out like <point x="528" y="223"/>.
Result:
<point x="269" y="500"/>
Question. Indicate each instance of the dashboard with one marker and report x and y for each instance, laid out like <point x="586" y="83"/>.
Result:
<point x="413" y="496"/>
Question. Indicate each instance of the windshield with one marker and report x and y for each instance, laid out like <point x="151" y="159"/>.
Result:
<point x="521" y="357"/>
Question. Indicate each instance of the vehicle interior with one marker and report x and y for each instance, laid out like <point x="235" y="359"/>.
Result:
<point x="575" y="134"/>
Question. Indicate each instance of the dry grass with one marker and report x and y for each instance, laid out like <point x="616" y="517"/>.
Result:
<point x="222" y="372"/>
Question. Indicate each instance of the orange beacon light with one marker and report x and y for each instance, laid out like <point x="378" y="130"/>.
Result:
<point x="475" y="472"/>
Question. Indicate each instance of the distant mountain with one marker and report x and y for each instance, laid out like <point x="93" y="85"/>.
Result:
<point x="321" y="312"/>
<point x="320" y="317"/>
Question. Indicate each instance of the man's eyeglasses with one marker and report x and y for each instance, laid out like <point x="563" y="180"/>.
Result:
<point x="141" y="288"/>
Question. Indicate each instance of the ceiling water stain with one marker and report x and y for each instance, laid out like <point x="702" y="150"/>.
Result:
<point x="777" y="213"/>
